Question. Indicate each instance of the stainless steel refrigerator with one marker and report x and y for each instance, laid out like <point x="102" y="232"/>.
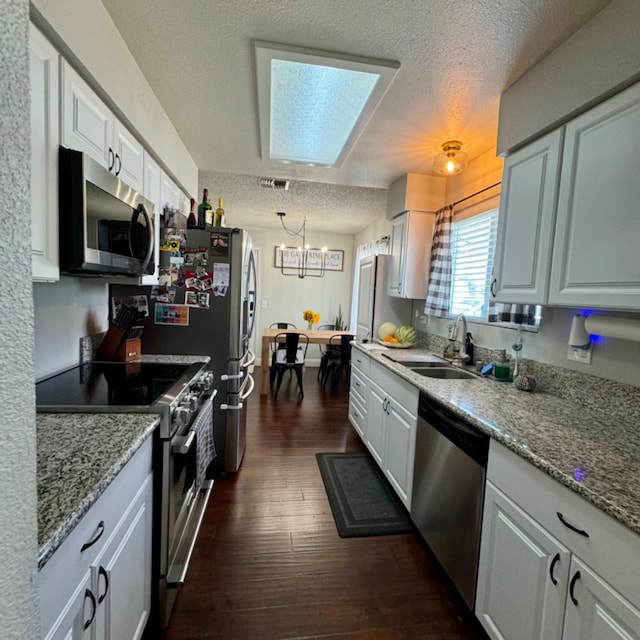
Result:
<point x="374" y="305"/>
<point x="205" y="305"/>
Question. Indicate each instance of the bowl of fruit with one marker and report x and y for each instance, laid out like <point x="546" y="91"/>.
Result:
<point x="396" y="337"/>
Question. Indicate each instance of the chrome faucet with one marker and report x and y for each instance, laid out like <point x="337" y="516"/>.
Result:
<point x="462" y="356"/>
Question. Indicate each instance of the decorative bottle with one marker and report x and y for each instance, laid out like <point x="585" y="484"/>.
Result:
<point x="204" y="209"/>
<point x="191" y="220"/>
<point x="219" y="220"/>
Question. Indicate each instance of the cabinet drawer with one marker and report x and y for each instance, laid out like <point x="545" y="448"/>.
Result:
<point x="403" y="392"/>
<point x="611" y="549"/>
<point x="359" y="385"/>
<point x="357" y="414"/>
<point x="67" y="566"/>
<point x="361" y="362"/>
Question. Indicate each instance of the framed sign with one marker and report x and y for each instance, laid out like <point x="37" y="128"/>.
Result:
<point x="289" y="257"/>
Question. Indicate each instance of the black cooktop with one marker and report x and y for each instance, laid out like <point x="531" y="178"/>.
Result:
<point x="99" y="384"/>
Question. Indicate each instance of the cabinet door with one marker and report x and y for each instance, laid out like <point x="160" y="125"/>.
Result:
<point x="45" y="133"/>
<point x="522" y="575"/>
<point x="151" y="191"/>
<point x="122" y="575"/>
<point x="169" y="192"/>
<point x="376" y="421"/>
<point x="526" y="222"/>
<point x="366" y="291"/>
<point x="78" y="613"/>
<point x="596" y="261"/>
<point x="595" y="611"/>
<point x="87" y="123"/>
<point x="400" y="450"/>
<point x="129" y="158"/>
<point x="396" y="265"/>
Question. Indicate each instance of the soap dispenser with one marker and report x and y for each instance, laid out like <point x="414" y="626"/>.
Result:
<point x="502" y="367"/>
<point x="468" y="347"/>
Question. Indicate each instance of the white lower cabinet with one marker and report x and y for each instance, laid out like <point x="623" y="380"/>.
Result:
<point x="596" y="611"/>
<point x="552" y="566"/>
<point x="386" y="421"/>
<point x="523" y="574"/>
<point x="97" y="584"/>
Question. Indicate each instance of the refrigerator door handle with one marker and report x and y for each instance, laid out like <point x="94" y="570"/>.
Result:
<point x="233" y="376"/>
<point x="245" y="394"/>
<point x="231" y="407"/>
<point x="251" y="359"/>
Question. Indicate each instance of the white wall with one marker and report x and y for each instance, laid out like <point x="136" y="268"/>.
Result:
<point x="65" y="311"/>
<point x="19" y="611"/>
<point x="87" y="37"/>
<point x="286" y="297"/>
<point x="597" y="61"/>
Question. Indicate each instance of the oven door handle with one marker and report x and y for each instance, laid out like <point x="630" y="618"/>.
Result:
<point x="182" y="444"/>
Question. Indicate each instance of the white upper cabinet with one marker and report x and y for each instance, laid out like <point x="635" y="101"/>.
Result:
<point x="411" y="237"/>
<point x="44" y="157"/>
<point x="596" y="261"/>
<point x="88" y="125"/>
<point x="526" y="222"/>
<point x="569" y="227"/>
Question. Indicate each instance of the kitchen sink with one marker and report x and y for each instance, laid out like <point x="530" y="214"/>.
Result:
<point x="448" y="373"/>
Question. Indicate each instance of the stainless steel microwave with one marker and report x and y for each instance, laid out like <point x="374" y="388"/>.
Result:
<point x="106" y="227"/>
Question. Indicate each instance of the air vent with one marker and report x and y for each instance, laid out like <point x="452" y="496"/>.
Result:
<point x="272" y="183"/>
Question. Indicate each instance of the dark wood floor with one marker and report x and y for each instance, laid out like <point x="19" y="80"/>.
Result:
<point x="268" y="562"/>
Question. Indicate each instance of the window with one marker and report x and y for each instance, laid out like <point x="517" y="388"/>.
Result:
<point x="473" y="243"/>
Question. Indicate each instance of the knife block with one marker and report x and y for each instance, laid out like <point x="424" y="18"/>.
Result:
<point x="128" y="350"/>
<point x="110" y="343"/>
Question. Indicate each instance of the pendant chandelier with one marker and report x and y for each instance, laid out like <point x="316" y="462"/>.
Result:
<point x="304" y="260"/>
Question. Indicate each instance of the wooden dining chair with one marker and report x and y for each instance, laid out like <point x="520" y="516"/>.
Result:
<point x="336" y="366"/>
<point x="291" y="358"/>
<point x="325" y="352"/>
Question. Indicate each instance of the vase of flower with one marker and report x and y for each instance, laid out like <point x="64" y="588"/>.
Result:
<point x="311" y="318"/>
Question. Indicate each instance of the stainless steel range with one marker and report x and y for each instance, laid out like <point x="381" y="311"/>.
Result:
<point x="182" y="395"/>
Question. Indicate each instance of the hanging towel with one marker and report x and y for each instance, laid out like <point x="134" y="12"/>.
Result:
<point x="206" y="451"/>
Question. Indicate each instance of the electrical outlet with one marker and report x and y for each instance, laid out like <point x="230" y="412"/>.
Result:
<point x="580" y="355"/>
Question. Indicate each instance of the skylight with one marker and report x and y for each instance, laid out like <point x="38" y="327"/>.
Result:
<point x="313" y="105"/>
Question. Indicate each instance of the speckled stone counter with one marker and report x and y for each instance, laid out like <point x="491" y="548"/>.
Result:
<point x="591" y="451"/>
<point x="78" y="456"/>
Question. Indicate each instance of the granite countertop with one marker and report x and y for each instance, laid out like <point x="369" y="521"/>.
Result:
<point x="153" y="357"/>
<point x="78" y="455"/>
<point x="589" y="451"/>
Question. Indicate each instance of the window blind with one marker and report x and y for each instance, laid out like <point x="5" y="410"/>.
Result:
<point x="473" y="245"/>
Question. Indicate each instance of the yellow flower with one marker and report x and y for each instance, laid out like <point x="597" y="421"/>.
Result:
<point x="316" y="318"/>
<point x="307" y="315"/>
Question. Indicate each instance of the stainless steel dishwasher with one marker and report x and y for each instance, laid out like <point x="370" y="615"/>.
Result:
<point x="448" y="492"/>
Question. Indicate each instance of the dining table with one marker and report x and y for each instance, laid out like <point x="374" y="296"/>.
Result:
<point x="320" y="336"/>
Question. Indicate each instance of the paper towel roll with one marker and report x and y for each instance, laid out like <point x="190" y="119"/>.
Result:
<point x="620" y="328"/>
<point x="579" y="337"/>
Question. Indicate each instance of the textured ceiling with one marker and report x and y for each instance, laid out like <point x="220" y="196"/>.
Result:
<point x="456" y="56"/>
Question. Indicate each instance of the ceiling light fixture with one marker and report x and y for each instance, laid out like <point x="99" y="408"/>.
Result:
<point x="313" y="105"/>
<point x="451" y="160"/>
<point x="302" y="259"/>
